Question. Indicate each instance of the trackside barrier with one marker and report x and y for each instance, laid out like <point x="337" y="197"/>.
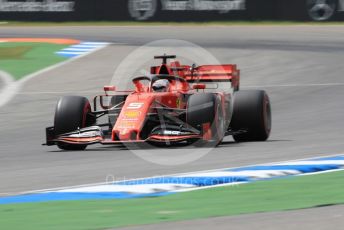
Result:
<point x="170" y="10"/>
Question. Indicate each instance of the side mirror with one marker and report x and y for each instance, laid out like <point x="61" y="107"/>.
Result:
<point x="199" y="86"/>
<point x="109" y="88"/>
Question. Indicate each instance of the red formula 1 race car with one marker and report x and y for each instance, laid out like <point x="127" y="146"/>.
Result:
<point x="175" y="103"/>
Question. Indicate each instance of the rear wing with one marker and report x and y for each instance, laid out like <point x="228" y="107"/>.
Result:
<point x="214" y="73"/>
<point x="203" y="73"/>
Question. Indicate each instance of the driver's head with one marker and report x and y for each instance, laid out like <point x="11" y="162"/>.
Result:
<point x="161" y="85"/>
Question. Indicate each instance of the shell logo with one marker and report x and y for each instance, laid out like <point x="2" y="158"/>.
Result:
<point x="132" y="114"/>
<point x="178" y="103"/>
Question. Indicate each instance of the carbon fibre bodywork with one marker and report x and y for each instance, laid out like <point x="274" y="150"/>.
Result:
<point x="143" y="115"/>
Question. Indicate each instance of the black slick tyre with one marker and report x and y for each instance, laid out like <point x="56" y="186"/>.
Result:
<point x="72" y="113"/>
<point x="205" y="108"/>
<point x="252" y="115"/>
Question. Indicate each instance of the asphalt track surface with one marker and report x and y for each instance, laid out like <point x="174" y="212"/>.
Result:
<point x="301" y="67"/>
<point x="2" y="84"/>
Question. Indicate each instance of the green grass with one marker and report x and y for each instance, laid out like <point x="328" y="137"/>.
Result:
<point x="263" y="196"/>
<point x="135" y="23"/>
<point x="13" y="52"/>
<point x="22" y="59"/>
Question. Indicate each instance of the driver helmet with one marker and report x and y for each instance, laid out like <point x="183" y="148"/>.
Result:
<point x="161" y="85"/>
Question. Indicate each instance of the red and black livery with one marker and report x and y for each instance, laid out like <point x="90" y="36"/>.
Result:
<point x="201" y="105"/>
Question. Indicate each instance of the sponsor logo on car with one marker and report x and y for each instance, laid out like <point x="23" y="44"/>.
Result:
<point x="127" y="124"/>
<point x="132" y="114"/>
<point x="135" y="105"/>
<point x="178" y="103"/>
<point x="174" y="133"/>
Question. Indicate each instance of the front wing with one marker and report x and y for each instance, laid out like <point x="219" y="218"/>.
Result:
<point x="95" y="135"/>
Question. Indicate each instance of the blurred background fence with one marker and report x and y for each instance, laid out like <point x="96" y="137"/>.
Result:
<point x="170" y="10"/>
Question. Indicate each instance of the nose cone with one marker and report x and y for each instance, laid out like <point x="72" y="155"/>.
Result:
<point x="127" y="134"/>
<point x="132" y="117"/>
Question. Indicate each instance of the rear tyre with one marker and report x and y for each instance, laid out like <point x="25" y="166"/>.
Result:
<point x="252" y="113"/>
<point x="206" y="108"/>
<point x="72" y="113"/>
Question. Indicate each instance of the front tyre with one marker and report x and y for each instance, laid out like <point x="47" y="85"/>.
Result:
<point x="72" y="113"/>
<point x="206" y="108"/>
<point x="251" y="115"/>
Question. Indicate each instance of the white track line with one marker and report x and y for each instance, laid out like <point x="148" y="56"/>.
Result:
<point x="6" y="78"/>
<point x="245" y="182"/>
<point x="9" y="86"/>
<point x="320" y="172"/>
<point x="213" y="186"/>
<point x="171" y="175"/>
<point x="13" y="88"/>
<point x="294" y="85"/>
